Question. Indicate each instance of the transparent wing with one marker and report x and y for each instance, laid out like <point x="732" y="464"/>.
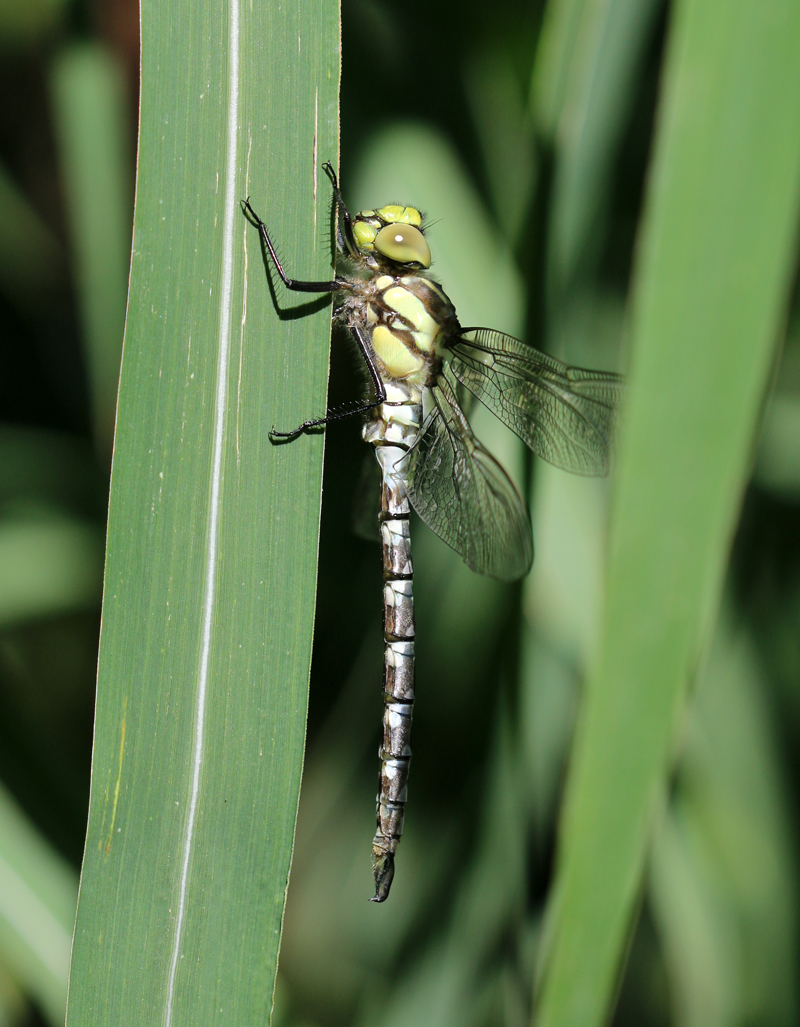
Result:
<point x="464" y="495"/>
<point x="565" y="414"/>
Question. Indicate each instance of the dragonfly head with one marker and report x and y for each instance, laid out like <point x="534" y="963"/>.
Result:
<point x="391" y="237"/>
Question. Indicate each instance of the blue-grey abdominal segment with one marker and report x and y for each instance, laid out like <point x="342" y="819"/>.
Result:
<point x="393" y="430"/>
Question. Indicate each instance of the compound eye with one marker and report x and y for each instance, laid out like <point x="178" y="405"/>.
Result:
<point x="404" y="244"/>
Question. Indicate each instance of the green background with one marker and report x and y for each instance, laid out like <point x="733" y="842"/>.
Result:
<point x="604" y="789"/>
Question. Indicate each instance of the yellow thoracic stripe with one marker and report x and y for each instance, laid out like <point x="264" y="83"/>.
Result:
<point x="411" y="307"/>
<point x="394" y="354"/>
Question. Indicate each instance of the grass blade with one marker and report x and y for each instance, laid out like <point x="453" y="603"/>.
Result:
<point x="91" y="119"/>
<point x="721" y="883"/>
<point x="714" y="266"/>
<point x="211" y="561"/>
<point x="610" y="45"/>
<point x="37" y="904"/>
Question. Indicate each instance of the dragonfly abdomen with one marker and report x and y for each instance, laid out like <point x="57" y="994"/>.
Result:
<point x="392" y="431"/>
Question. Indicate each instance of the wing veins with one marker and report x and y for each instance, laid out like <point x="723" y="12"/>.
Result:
<point x="464" y="495"/>
<point x="565" y="414"/>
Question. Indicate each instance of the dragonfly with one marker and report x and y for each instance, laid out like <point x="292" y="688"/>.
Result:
<point x="419" y="360"/>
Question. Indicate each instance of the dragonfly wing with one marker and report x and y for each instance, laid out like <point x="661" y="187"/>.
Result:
<point x="464" y="495"/>
<point x="565" y="414"/>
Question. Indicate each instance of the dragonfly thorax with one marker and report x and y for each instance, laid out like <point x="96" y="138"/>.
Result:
<point x="406" y="319"/>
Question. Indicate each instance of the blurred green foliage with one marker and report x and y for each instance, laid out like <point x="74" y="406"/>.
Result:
<point x="526" y="132"/>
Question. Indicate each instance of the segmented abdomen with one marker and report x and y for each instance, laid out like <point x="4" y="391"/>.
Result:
<point x="392" y="431"/>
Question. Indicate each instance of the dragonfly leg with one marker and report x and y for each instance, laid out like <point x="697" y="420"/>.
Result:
<point x="347" y="221"/>
<point x="318" y="422"/>
<point x="339" y="415"/>
<point x="334" y="285"/>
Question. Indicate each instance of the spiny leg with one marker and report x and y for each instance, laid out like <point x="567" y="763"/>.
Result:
<point x="335" y="285"/>
<point x="347" y="221"/>
<point x="339" y="415"/>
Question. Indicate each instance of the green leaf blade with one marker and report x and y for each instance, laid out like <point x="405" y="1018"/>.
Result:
<point x="712" y="281"/>
<point x="211" y="564"/>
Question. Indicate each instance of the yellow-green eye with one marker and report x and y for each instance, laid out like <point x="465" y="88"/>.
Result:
<point x="404" y="244"/>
